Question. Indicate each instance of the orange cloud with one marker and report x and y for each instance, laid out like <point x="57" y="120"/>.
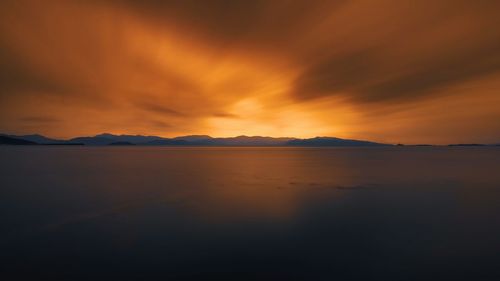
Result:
<point x="383" y="70"/>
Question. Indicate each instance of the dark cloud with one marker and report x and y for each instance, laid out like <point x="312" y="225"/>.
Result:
<point x="39" y="119"/>
<point x="364" y="77"/>
<point x="440" y="47"/>
<point x="18" y="77"/>
<point x="227" y="23"/>
<point x="158" y="108"/>
<point x="346" y="47"/>
<point x="160" y="124"/>
<point x="225" y="115"/>
<point x="336" y="75"/>
<point x="219" y="17"/>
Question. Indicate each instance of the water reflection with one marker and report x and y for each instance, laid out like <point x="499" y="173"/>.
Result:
<point x="254" y="213"/>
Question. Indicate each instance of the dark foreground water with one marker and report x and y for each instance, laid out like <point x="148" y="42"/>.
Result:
<point x="155" y="213"/>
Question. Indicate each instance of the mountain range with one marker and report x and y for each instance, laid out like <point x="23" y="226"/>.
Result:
<point x="192" y="140"/>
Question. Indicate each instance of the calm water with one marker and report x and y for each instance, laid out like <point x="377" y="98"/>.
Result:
<point x="157" y="213"/>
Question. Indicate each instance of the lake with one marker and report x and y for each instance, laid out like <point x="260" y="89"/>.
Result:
<point x="249" y="213"/>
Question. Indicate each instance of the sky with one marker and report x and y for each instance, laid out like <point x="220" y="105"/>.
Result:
<point x="387" y="70"/>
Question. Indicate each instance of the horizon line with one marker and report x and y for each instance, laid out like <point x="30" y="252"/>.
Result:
<point x="251" y="136"/>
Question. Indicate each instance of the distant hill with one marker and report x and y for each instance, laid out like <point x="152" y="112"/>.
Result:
<point x="35" y="138"/>
<point x="251" y="141"/>
<point x="329" y="141"/>
<point x="168" y="142"/>
<point x="232" y="141"/>
<point x="118" y="143"/>
<point x="192" y="140"/>
<point x="92" y="140"/>
<point x="203" y="140"/>
<point x="14" y="141"/>
<point x="200" y="140"/>
<point x="135" y="139"/>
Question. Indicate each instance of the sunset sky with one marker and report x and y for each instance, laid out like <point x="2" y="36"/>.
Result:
<point x="388" y="71"/>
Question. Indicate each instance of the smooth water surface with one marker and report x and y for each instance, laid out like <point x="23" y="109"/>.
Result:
<point x="163" y="213"/>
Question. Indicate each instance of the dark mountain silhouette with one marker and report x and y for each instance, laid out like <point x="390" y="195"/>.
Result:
<point x="251" y="140"/>
<point x="193" y="137"/>
<point x="168" y="142"/>
<point x="36" y="138"/>
<point x="93" y="140"/>
<point x="198" y="140"/>
<point x="190" y="140"/>
<point x="15" y="141"/>
<point x="107" y="139"/>
<point x="118" y="143"/>
<point x="329" y="141"/>
<point x="195" y="140"/>
<point x="129" y="138"/>
<point x="204" y="140"/>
